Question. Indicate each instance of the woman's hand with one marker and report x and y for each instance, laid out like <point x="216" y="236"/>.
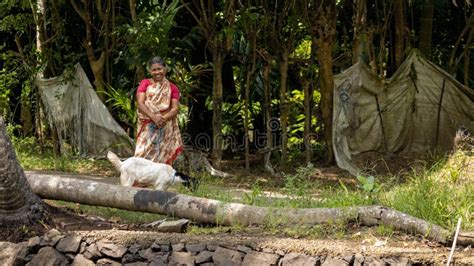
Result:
<point x="159" y="120"/>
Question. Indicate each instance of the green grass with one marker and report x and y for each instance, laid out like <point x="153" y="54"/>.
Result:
<point x="439" y="194"/>
<point x="431" y="197"/>
<point x="32" y="157"/>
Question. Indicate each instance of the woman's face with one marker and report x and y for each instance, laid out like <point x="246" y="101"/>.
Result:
<point x="157" y="72"/>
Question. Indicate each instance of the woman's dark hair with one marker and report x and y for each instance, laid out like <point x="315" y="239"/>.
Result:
<point x="156" y="60"/>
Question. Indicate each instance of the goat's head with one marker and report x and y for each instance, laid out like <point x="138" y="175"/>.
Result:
<point x="191" y="183"/>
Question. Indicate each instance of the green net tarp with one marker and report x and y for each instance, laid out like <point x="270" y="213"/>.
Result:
<point x="83" y="123"/>
<point x="415" y="113"/>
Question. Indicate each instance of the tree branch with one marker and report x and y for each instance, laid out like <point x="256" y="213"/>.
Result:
<point x="51" y="39"/>
<point x="458" y="42"/>
<point x="81" y="13"/>
<point x="204" y="29"/>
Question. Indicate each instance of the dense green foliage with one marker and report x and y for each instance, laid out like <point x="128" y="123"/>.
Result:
<point x="167" y="29"/>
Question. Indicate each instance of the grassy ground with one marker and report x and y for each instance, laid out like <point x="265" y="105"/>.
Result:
<point x="439" y="193"/>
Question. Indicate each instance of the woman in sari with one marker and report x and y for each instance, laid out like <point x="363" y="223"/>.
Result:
<point x="158" y="135"/>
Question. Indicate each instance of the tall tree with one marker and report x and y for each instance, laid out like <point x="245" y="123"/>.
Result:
<point x="216" y="23"/>
<point x="20" y="64"/>
<point x="266" y="51"/>
<point x="400" y="31"/>
<point x="282" y="29"/>
<point x="359" y="43"/>
<point x="305" y="76"/>
<point x="384" y="13"/>
<point x="251" y="25"/>
<point x="320" y="16"/>
<point x="139" y="70"/>
<point x="45" y="36"/>
<point x="87" y="14"/>
<point x="426" y="26"/>
<point x="267" y="59"/>
<point x="466" y="35"/>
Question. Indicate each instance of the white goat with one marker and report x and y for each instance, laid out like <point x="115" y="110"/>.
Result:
<point x="140" y="172"/>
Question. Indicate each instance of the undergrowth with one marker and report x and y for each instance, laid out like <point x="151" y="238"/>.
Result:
<point x="32" y="157"/>
<point x="438" y="194"/>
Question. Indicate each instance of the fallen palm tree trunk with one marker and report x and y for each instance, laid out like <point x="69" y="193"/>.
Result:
<point x="466" y="239"/>
<point x="216" y="212"/>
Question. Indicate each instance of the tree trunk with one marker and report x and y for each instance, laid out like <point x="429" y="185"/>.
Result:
<point x="467" y="53"/>
<point x="327" y="93"/>
<point x="284" y="108"/>
<point x="133" y="10"/>
<point x="465" y="239"/>
<point x="267" y="103"/>
<point x="359" y="51"/>
<point x="307" y="118"/>
<point x="323" y="32"/>
<point x="139" y="71"/>
<point x="247" y="121"/>
<point x="426" y="27"/>
<point x="98" y="67"/>
<point x="46" y="32"/>
<point x="217" y="97"/>
<point x="26" y="116"/>
<point x="269" y="124"/>
<point x="18" y="204"/>
<point x="379" y="66"/>
<point x="97" y="64"/>
<point x="468" y="29"/>
<point x="39" y="11"/>
<point x="251" y="35"/>
<point x="216" y="212"/>
<point x="39" y="134"/>
<point x="399" y="11"/>
<point x="215" y="27"/>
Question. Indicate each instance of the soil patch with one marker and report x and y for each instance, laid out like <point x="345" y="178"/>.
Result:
<point x="55" y="217"/>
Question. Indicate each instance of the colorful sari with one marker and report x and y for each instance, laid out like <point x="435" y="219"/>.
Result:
<point x="161" y="145"/>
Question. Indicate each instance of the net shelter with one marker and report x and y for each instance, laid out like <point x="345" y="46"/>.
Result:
<point x="83" y="123"/>
<point x="416" y="112"/>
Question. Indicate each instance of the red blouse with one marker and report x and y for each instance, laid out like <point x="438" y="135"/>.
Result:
<point x="145" y="82"/>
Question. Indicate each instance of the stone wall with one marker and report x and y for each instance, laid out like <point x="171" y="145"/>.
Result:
<point x="56" y="248"/>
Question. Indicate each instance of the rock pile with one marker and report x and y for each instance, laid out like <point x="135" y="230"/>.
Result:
<point x="56" y="248"/>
